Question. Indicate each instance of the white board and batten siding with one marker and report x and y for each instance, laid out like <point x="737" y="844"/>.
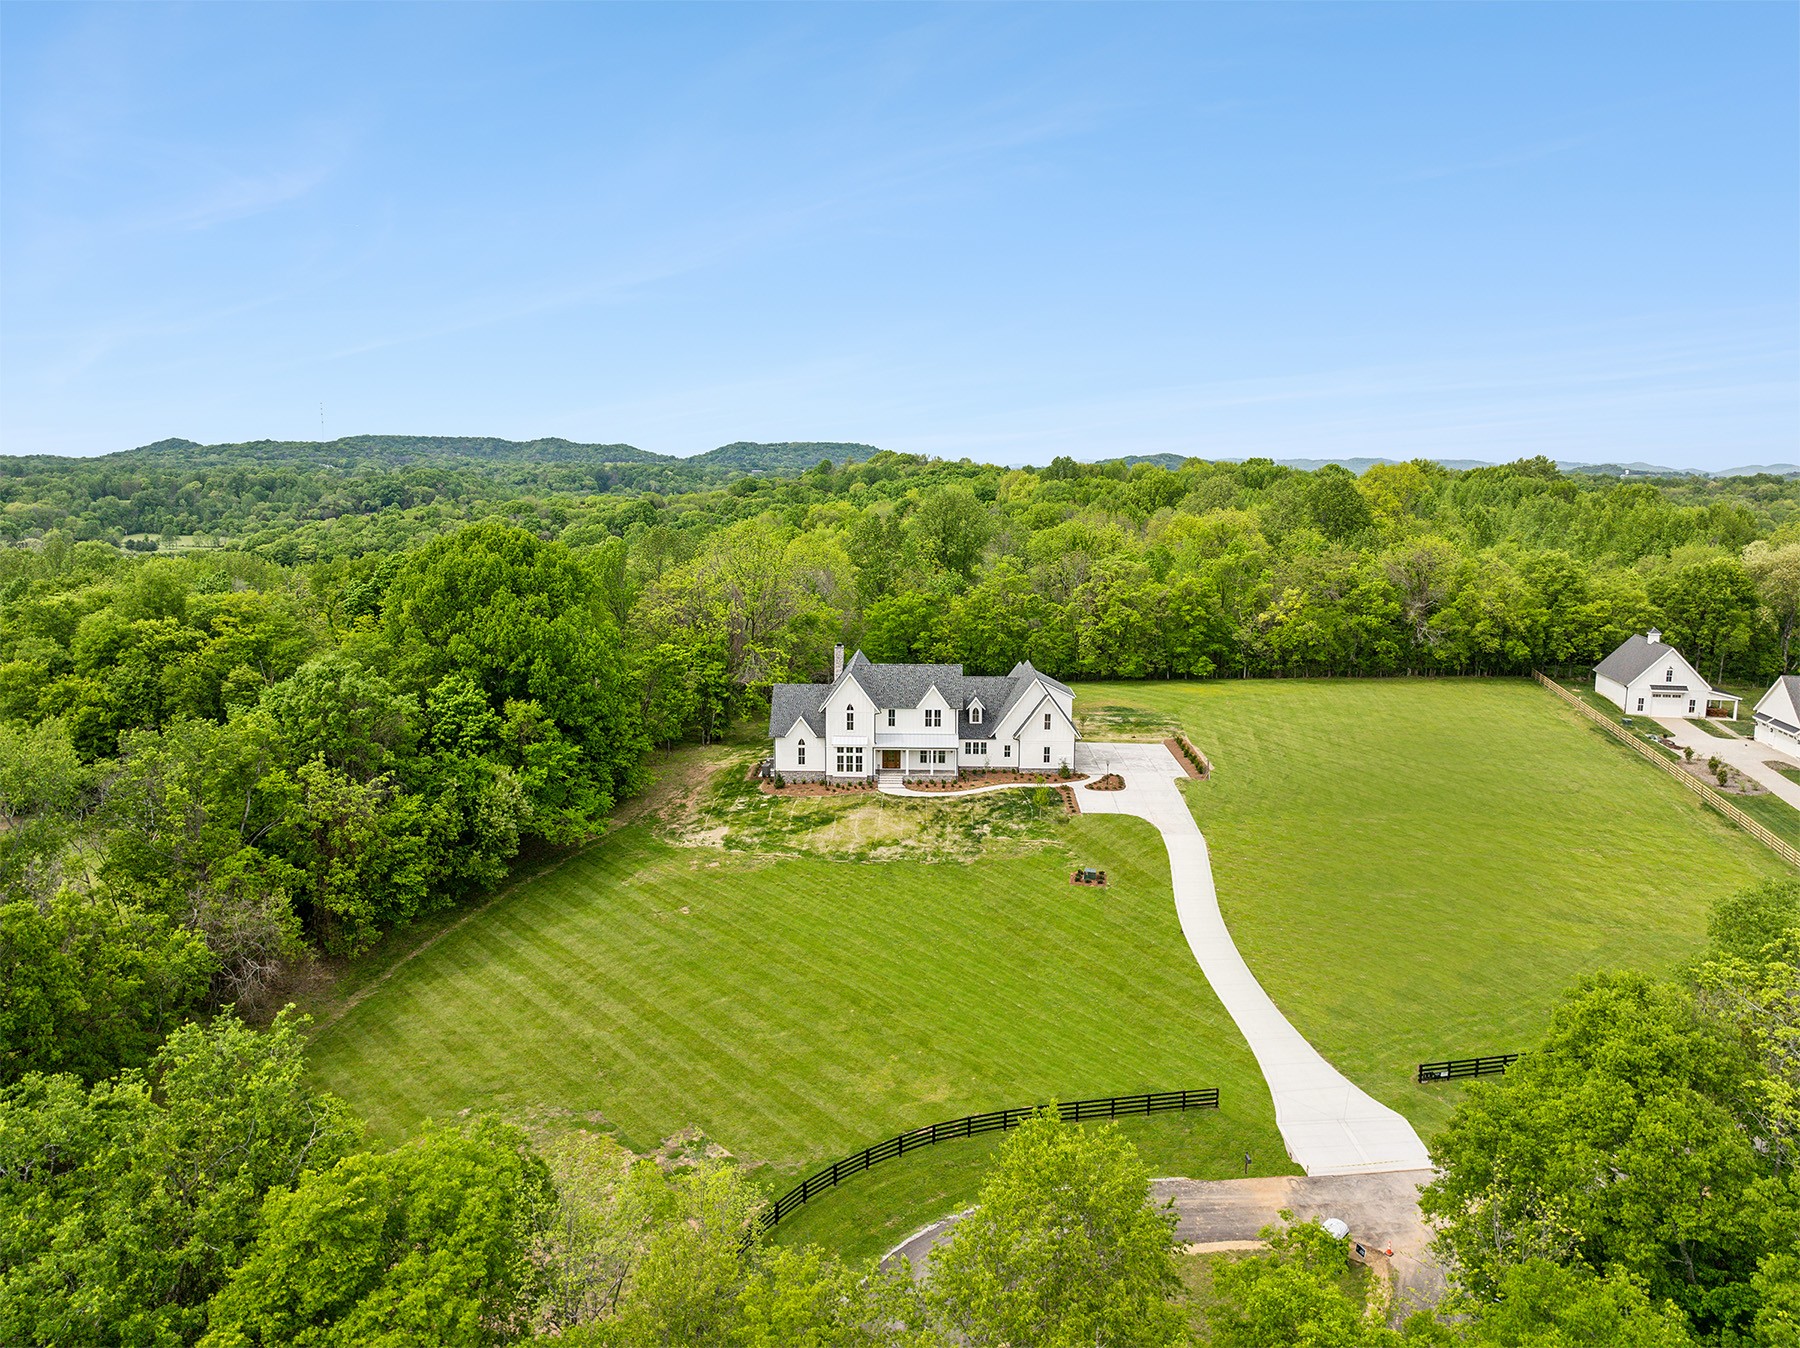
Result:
<point x="1646" y="676"/>
<point x="925" y="716"/>
<point x="1042" y="747"/>
<point x="1778" y="716"/>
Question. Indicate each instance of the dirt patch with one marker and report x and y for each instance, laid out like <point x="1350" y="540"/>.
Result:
<point x="1111" y="782"/>
<point x="687" y="1150"/>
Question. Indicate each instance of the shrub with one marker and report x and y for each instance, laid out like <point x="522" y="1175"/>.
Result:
<point x="780" y="781"/>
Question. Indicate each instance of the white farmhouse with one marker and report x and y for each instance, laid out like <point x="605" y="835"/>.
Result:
<point x="919" y="721"/>
<point x="1778" y="716"/>
<point x="1648" y="675"/>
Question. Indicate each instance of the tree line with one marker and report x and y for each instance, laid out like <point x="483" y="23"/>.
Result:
<point x="213" y="761"/>
<point x="1630" y="1184"/>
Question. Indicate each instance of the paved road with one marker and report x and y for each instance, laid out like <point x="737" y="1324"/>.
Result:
<point x="1381" y="1210"/>
<point x="1330" y="1126"/>
<point x="1747" y="756"/>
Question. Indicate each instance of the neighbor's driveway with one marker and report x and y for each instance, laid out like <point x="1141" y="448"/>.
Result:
<point x="1747" y="756"/>
<point x="1330" y="1126"/>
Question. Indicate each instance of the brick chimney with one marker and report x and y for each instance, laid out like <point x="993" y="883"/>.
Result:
<point x="837" y="663"/>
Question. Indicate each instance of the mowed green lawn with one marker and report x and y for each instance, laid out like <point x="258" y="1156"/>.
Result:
<point x="800" y="1008"/>
<point x="1414" y="869"/>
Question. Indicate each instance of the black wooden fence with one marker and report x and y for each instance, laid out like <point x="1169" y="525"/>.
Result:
<point x="1452" y="1069"/>
<point x="972" y="1125"/>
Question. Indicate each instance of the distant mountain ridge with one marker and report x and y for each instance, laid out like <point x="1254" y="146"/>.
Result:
<point x="393" y="451"/>
<point x="741" y="457"/>
<point x="788" y="456"/>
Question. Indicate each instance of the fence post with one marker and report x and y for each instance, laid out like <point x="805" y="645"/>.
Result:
<point x="1705" y="792"/>
<point x="1010" y="1117"/>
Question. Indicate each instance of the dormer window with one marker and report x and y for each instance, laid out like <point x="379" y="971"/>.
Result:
<point x="975" y="714"/>
<point x="849" y="718"/>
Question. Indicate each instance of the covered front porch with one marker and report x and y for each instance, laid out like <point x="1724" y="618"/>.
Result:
<point x="913" y="754"/>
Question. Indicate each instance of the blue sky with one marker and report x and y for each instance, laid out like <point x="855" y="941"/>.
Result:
<point x="1003" y="232"/>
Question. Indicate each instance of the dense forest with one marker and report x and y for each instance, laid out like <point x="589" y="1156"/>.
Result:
<point x="257" y="701"/>
<point x="365" y="712"/>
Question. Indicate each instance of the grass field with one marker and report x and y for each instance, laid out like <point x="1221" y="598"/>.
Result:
<point x="1770" y="811"/>
<point x="796" y="1008"/>
<point x="1415" y="868"/>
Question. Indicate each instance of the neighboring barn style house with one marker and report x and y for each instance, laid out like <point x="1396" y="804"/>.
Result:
<point x="919" y="721"/>
<point x="1778" y="716"/>
<point x="1648" y="675"/>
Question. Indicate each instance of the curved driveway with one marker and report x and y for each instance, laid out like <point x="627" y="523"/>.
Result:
<point x="1330" y="1126"/>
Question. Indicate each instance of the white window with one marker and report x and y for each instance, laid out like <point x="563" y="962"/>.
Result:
<point x="975" y="748"/>
<point x="800" y="753"/>
<point x="849" y="759"/>
<point x="890" y="716"/>
<point x="1640" y="704"/>
<point x="849" y="718"/>
<point x="1006" y="751"/>
<point x="1690" y="706"/>
<point x="1046" y="753"/>
<point x="940" y="756"/>
<point x="924" y="758"/>
<point x="934" y="719"/>
<point x="1669" y="674"/>
<point x="1046" y="727"/>
<point x="975" y="714"/>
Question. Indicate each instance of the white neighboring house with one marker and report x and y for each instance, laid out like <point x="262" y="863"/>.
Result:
<point x="1778" y="716"/>
<point x="919" y="720"/>
<point x="1648" y="675"/>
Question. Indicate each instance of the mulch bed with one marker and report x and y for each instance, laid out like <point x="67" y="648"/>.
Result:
<point x="1185" y="755"/>
<point x="997" y="777"/>
<point x="1111" y="782"/>
<point x="1739" y="785"/>
<point x="816" y="788"/>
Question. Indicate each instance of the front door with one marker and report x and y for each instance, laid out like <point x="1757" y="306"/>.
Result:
<point x="890" y="758"/>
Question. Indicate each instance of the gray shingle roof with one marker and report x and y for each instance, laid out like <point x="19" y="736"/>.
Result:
<point x="995" y="694"/>
<point x="906" y="686"/>
<point x="790" y="702"/>
<point x="1025" y="671"/>
<point x="1635" y="654"/>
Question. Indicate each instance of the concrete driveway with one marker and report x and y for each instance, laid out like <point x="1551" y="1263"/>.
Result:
<point x="1747" y="756"/>
<point x="1330" y="1126"/>
<point x="1381" y="1210"/>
